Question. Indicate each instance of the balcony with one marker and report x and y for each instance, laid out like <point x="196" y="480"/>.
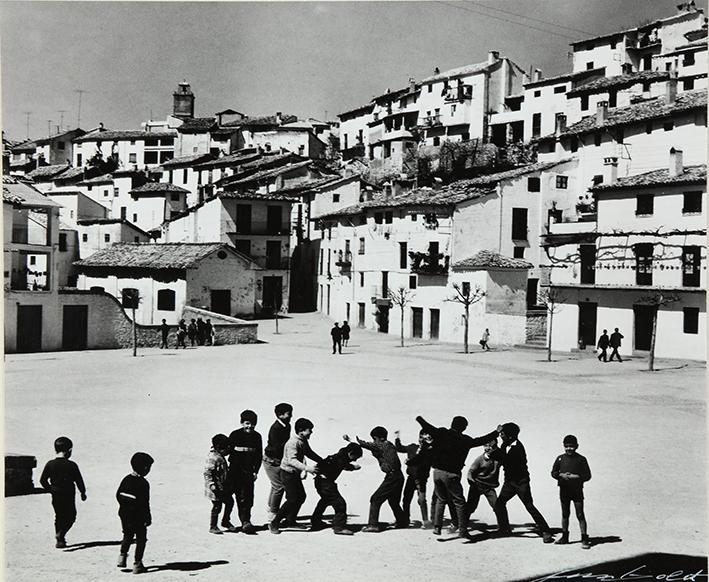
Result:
<point x="380" y="295"/>
<point x="344" y="260"/>
<point x="429" y="264"/>
<point x="459" y="93"/>
<point x="432" y="121"/>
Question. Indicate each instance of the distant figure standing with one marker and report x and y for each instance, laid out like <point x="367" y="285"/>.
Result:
<point x="164" y="332"/>
<point x="602" y="345"/>
<point x="181" y="334"/>
<point x="201" y="332"/>
<point x="336" y="334"/>
<point x="192" y="332"/>
<point x="209" y="332"/>
<point x="484" y="339"/>
<point x="614" y="342"/>
<point x="345" y="333"/>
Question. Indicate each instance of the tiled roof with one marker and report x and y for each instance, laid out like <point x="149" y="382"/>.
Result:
<point x="23" y="195"/>
<point x="492" y="179"/>
<point x="197" y="125"/>
<point x="458" y="72"/>
<point x="46" y="140"/>
<point x="362" y="109"/>
<point x="618" y="82"/>
<point x="186" y="161"/>
<point x="566" y="77"/>
<point x="25" y="146"/>
<point x="152" y="256"/>
<point x="690" y="175"/>
<point x="47" y="172"/>
<point x="223" y="131"/>
<point x="490" y="260"/>
<point x="270" y="173"/>
<point x="70" y="173"/>
<point x="260" y="164"/>
<point x="696" y="45"/>
<point x="656" y="108"/>
<point x="102" y="179"/>
<point x="309" y="184"/>
<point x="277" y="195"/>
<point x="92" y="221"/>
<point x="157" y="188"/>
<point x="267" y="120"/>
<point x="116" y="135"/>
<point x="235" y="159"/>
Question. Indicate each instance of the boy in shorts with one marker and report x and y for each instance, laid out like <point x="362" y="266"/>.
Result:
<point x="571" y="471"/>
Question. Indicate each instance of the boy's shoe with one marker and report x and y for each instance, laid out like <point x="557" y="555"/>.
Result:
<point x="464" y="535"/>
<point x="138" y="568"/>
<point x="61" y="542"/>
<point x="215" y="530"/>
<point x="228" y="526"/>
<point x="453" y="529"/>
<point x="402" y="525"/>
<point x="585" y="543"/>
<point x="121" y="563"/>
<point x="371" y="529"/>
<point x="428" y="524"/>
<point x="317" y="525"/>
<point x="248" y="529"/>
<point x="564" y="539"/>
<point x="273" y="528"/>
<point x="547" y="538"/>
<point x="343" y="531"/>
<point x="436" y="531"/>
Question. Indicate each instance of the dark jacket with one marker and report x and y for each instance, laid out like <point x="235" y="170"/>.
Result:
<point x="278" y="436"/>
<point x="332" y="465"/>
<point x="133" y="497"/>
<point x="345" y="331"/>
<point x="514" y="462"/>
<point x="336" y="333"/>
<point x="603" y="341"/>
<point x="245" y="451"/>
<point x="574" y="463"/>
<point x="450" y="448"/>
<point x="385" y="453"/>
<point x="615" y="339"/>
<point x="418" y="459"/>
<point x="60" y="475"/>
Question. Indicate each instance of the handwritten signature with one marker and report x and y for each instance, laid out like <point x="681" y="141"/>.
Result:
<point x="639" y="573"/>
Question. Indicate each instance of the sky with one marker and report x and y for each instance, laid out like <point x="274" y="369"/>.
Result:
<point x="309" y="59"/>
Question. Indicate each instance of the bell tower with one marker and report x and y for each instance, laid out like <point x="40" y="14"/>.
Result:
<point x="183" y="101"/>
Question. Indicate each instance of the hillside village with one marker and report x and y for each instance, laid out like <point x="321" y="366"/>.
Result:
<point x="483" y="190"/>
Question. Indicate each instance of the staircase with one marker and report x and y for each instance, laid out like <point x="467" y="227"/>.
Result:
<point x="536" y="331"/>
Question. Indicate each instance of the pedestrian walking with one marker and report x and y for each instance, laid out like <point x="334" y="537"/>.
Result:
<point x="164" y="332"/>
<point x="345" y="333"/>
<point x="192" y="332"/>
<point x="484" y="339"/>
<point x="614" y="343"/>
<point x="181" y="334"/>
<point x="209" y="332"/>
<point x="603" y="342"/>
<point x="336" y="333"/>
<point x="59" y="477"/>
<point x="201" y="331"/>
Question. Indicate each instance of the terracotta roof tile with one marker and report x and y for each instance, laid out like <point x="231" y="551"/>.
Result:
<point x="157" y="188"/>
<point x="484" y="260"/>
<point x="192" y="160"/>
<point x="197" y="125"/>
<point x="151" y="256"/>
<point x="47" y="172"/>
<point x="618" y="82"/>
<point x="690" y="175"/>
<point x="458" y="72"/>
<point x="116" y="135"/>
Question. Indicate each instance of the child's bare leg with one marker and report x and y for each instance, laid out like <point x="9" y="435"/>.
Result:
<point x="578" y="506"/>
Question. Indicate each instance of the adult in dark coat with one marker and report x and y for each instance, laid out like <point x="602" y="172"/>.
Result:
<point x="614" y="342"/>
<point x="345" y="333"/>
<point x="602" y="345"/>
<point x="336" y="334"/>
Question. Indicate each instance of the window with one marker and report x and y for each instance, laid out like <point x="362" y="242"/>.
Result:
<point x="536" y="125"/>
<point x="430" y="87"/>
<point x="130" y="298"/>
<point x="688" y="60"/>
<point x="361" y="279"/>
<point x="166" y="300"/>
<point x="691" y="258"/>
<point x="301" y="150"/>
<point x="574" y="144"/>
<point x="132" y="142"/>
<point x="322" y="259"/>
<point x="584" y="102"/>
<point x="562" y="182"/>
<point x="518" y="252"/>
<point x="403" y="255"/>
<point x="453" y="109"/>
<point x="136" y="239"/>
<point x="133" y="158"/>
<point x="151" y="142"/>
<point x="78" y="159"/>
<point x="243" y="245"/>
<point x="165" y="156"/>
<point x="124" y="211"/>
<point x="537" y="93"/>
<point x="184" y="176"/>
<point x="105" y="193"/>
<point x="169" y="177"/>
<point x="388" y="217"/>
<point x="643" y="264"/>
<point x="692" y="202"/>
<point x="588" y="263"/>
<point x="115" y="192"/>
<point x="107" y="238"/>
<point x="648" y="127"/>
<point x="378" y="217"/>
<point x="612" y="98"/>
<point x="691" y="319"/>
<point x="85" y="237"/>
<point x="150" y="157"/>
<point x="62" y="241"/>
<point x="61" y="145"/>
<point x="519" y="224"/>
<point x="597" y="139"/>
<point x="688" y="84"/>
<point x="668" y="66"/>
<point x="597" y="179"/>
<point x="589" y="65"/>
<point x="386" y="150"/>
<point x="560" y="89"/>
<point x="668" y="126"/>
<point x="412" y="281"/>
<point x="646" y="86"/>
<point x="414" y="217"/>
<point x="135" y="217"/>
<point x="33" y="260"/>
<point x="361" y="246"/>
<point x="613" y="44"/>
<point x="533" y="184"/>
<point x="644" y="204"/>
<point x="436" y="141"/>
<point x="335" y="198"/>
<point x="175" y="196"/>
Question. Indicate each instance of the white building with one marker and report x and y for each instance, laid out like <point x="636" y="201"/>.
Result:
<point x="134" y="149"/>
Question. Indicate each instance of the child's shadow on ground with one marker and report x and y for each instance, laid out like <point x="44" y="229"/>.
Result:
<point x="185" y="566"/>
<point x="88" y="545"/>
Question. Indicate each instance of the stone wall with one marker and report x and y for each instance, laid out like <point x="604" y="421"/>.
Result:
<point x="536" y="326"/>
<point x="228" y="330"/>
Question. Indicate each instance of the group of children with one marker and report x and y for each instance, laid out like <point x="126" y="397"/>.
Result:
<point x="235" y="460"/>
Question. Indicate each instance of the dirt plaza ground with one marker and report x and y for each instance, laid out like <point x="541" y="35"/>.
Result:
<point x="643" y="434"/>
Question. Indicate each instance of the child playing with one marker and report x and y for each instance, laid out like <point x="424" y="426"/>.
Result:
<point x="390" y="489"/>
<point x="483" y="478"/>
<point x="58" y="477"/>
<point x="571" y="471"/>
<point x="278" y="436"/>
<point x="328" y="470"/>
<point x="244" y="464"/>
<point x="133" y="497"/>
<point x="514" y="460"/>
<point x="418" y="469"/>
<point x="216" y="484"/>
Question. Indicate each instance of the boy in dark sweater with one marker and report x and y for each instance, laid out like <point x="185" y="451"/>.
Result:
<point x="278" y="436"/>
<point x="59" y="477"/>
<point x="450" y="449"/>
<point x="571" y="471"/>
<point x="483" y="478"/>
<point x="133" y="497"/>
<point x="514" y="460"/>
<point x="328" y="470"/>
<point x="418" y="469"/>
<point x="244" y="463"/>
<point x="390" y="489"/>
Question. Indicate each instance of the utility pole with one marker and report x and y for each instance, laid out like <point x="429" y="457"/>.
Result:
<point x="49" y="127"/>
<point x="28" y="113"/>
<point x="61" y="113"/>
<point x="78" y="115"/>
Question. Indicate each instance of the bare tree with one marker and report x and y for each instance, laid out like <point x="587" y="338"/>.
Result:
<point x="466" y="298"/>
<point x="401" y="297"/>
<point x="656" y="300"/>
<point x="551" y="298"/>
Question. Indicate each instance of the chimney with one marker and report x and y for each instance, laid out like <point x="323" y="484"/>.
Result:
<point x="671" y="87"/>
<point x="601" y="112"/>
<point x="610" y="169"/>
<point x="279" y="118"/>
<point x="437" y="183"/>
<point x="676" y="163"/>
<point x="537" y="75"/>
<point x="560" y="123"/>
<point x="492" y="57"/>
<point x="412" y="84"/>
<point x="436" y="71"/>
